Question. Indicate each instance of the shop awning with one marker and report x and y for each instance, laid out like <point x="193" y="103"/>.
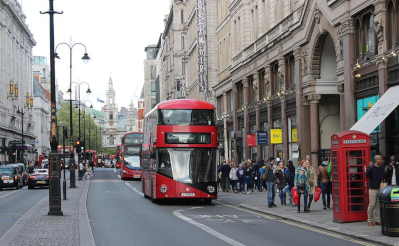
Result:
<point x="379" y="111"/>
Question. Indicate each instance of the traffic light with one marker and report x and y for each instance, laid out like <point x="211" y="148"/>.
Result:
<point x="82" y="145"/>
<point x="77" y="145"/>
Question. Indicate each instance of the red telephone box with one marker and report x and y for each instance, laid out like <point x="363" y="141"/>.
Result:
<point x="350" y="155"/>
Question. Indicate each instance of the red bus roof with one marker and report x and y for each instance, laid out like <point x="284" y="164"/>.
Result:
<point x="182" y="104"/>
<point x="131" y="133"/>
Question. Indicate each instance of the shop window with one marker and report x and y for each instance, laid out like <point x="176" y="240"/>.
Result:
<point x="276" y="86"/>
<point x="261" y="85"/>
<point x="251" y="91"/>
<point x="228" y="95"/>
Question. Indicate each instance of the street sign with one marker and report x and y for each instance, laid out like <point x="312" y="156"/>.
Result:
<point x="15" y="142"/>
<point x="251" y="140"/>
<point x="276" y="136"/>
<point x="262" y="137"/>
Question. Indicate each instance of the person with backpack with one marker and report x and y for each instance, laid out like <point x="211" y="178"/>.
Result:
<point x="290" y="175"/>
<point x="233" y="177"/>
<point x="258" y="177"/>
<point x="281" y="182"/>
<point x="262" y="178"/>
<point x="241" y="177"/>
<point x="270" y="182"/>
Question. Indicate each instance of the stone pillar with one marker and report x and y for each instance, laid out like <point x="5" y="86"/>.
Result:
<point x="298" y="89"/>
<point x="270" y="122"/>
<point x="305" y="123"/>
<point x="235" y="121"/>
<point x="382" y="78"/>
<point x="340" y="88"/>
<point x="285" y="129"/>
<point x="246" y="116"/>
<point x="225" y="133"/>
<point x="314" y="127"/>
<point x="347" y="29"/>
<point x="257" y="108"/>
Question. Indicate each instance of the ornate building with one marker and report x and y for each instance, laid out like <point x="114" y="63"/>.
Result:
<point x="111" y="133"/>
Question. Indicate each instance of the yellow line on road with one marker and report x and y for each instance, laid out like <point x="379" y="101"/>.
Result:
<point x="303" y="226"/>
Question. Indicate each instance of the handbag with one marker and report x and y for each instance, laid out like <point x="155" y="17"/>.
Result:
<point x="382" y="185"/>
<point x="317" y="194"/>
<point x="295" y="196"/>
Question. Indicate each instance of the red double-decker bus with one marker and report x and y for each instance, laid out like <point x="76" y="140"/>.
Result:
<point x="131" y="155"/>
<point x="118" y="156"/>
<point x="91" y="156"/>
<point x="179" y="151"/>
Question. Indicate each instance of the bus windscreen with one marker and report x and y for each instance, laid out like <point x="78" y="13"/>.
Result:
<point x="132" y="161"/>
<point x="186" y="117"/>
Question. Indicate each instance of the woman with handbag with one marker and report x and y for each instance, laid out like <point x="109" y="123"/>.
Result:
<point x="302" y="175"/>
<point x="322" y="173"/>
<point x="281" y="182"/>
<point x="312" y="182"/>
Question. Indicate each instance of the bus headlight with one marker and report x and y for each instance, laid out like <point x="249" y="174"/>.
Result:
<point x="163" y="189"/>
<point x="211" y="189"/>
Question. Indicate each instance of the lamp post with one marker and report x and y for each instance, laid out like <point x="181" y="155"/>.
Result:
<point x="55" y="188"/>
<point x="85" y="58"/>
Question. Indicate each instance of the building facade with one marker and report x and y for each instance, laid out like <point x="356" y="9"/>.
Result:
<point x="150" y="76"/>
<point x="293" y="72"/>
<point x="41" y="117"/>
<point x="140" y="111"/>
<point x="16" y="65"/>
<point x="131" y="125"/>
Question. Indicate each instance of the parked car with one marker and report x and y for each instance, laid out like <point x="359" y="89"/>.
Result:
<point x="10" y="177"/>
<point x="21" y="171"/>
<point x="39" y="178"/>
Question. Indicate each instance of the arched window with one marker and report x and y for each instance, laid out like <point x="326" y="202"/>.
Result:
<point x="369" y="34"/>
<point x="392" y="24"/>
<point x="365" y="35"/>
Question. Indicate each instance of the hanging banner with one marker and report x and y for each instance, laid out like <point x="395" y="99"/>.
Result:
<point x="276" y="136"/>
<point x="294" y="133"/>
<point x="251" y="140"/>
<point x="262" y="137"/>
<point x="201" y="46"/>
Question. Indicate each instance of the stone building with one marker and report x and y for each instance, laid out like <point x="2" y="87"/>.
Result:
<point x="150" y="76"/>
<point x="305" y="68"/>
<point x="41" y="115"/>
<point x="131" y="118"/>
<point x="16" y="74"/>
<point x="140" y="111"/>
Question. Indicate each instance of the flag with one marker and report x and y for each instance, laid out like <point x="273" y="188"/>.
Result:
<point x="99" y="100"/>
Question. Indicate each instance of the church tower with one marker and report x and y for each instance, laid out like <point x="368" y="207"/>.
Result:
<point x="131" y="118"/>
<point x="111" y="133"/>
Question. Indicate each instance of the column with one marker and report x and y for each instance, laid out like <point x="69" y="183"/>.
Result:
<point x="284" y="122"/>
<point x="382" y="78"/>
<point x="257" y="108"/>
<point x="235" y="121"/>
<point x="225" y="133"/>
<point x="246" y="116"/>
<point x="347" y="28"/>
<point x="314" y="128"/>
<point x="341" y="89"/>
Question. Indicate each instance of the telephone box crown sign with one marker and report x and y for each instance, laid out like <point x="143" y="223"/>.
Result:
<point x="354" y="136"/>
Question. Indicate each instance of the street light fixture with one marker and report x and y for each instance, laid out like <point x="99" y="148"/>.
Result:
<point x="85" y="58"/>
<point x="13" y="93"/>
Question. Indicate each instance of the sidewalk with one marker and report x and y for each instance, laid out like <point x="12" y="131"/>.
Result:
<point x="37" y="228"/>
<point x="317" y="217"/>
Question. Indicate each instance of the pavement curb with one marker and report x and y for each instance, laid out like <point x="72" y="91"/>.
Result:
<point x="10" y="235"/>
<point x="314" y="224"/>
<point x="86" y="234"/>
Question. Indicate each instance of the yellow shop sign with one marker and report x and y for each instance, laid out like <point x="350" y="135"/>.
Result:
<point x="276" y="136"/>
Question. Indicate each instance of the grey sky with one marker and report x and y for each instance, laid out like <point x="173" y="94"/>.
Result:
<point x="115" y="34"/>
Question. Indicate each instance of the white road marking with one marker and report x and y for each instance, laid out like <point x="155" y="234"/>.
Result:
<point x="119" y="176"/>
<point x="135" y="190"/>
<point x="114" y="170"/>
<point x="7" y="193"/>
<point x="228" y="240"/>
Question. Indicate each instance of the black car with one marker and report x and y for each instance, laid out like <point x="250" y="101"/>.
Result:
<point x="22" y="172"/>
<point x="39" y="178"/>
<point x="10" y="177"/>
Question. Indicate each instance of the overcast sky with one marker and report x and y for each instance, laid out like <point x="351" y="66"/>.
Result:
<point x="115" y="34"/>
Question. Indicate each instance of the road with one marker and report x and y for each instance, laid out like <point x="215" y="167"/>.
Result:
<point x="120" y="215"/>
<point x="15" y="203"/>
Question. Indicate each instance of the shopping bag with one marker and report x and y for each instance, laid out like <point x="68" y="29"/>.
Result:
<point x="295" y="196"/>
<point x="317" y="193"/>
<point x="383" y="184"/>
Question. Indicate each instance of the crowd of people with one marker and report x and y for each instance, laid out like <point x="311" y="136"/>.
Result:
<point x="273" y="176"/>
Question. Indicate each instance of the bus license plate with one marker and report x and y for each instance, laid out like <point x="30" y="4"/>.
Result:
<point x="187" y="194"/>
<point x="41" y="182"/>
<point x="136" y="176"/>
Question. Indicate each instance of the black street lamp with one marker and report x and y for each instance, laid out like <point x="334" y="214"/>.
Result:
<point x="54" y="158"/>
<point x="85" y="58"/>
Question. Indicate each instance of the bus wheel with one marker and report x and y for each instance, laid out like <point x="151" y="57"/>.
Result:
<point x="153" y="200"/>
<point x="207" y="201"/>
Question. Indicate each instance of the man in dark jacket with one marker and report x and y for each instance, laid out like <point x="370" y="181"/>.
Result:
<point x="224" y="176"/>
<point x="259" y="164"/>
<point x="392" y="171"/>
<point x="270" y="182"/>
<point x="375" y="174"/>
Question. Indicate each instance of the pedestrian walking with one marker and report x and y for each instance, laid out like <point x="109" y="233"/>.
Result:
<point x="270" y="182"/>
<point x="258" y="176"/>
<point x="281" y="182"/>
<point x="312" y="181"/>
<point x="248" y="172"/>
<point x="81" y="170"/>
<point x="302" y="175"/>
<point x="233" y="177"/>
<point x="241" y="177"/>
<point x="392" y="171"/>
<point x="224" y="176"/>
<point x="290" y="175"/>
<point x="375" y="174"/>
<point x="322" y="173"/>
